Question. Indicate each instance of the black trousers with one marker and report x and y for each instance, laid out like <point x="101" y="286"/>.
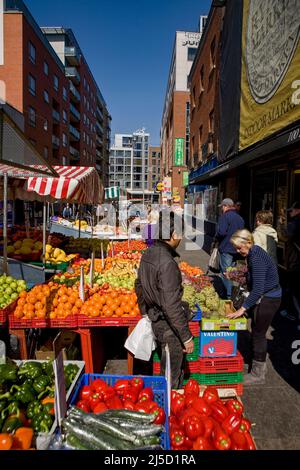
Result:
<point x="164" y="335"/>
<point x="262" y="316"/>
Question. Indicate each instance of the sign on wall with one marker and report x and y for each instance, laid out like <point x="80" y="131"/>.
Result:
<point x="179" y="152"/>
<point x="185" y="178"/>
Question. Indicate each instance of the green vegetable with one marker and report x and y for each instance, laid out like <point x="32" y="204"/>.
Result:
<point x="42" y="422"/>
<point x="133" y="415"/>
<point x="76" y="443"/>
<point x="34" y="408"/>
<point x="3" y="404"/>
<point x="40" y="383"/>
<point x="48" y="390"/>
<point x="24" y="393"/>
<point x="31" y="370"/>
<point x="11" y="424"/>
<point x="13" y="408"/>
<point x="8" y="373"/>
<point x="151" y="441"/>
<point x="47" y="368"/>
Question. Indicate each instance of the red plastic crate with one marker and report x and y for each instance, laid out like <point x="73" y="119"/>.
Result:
<point x="15" y="323"/>
<point x="237" y="387"/>
<point x="194" y="328"/>
<point x="85" y="321"/>
<point x="191" y="367"/>
<point x="4" y="312"/>
<point x="70" y="322"/>
<point x="221" y="364"/>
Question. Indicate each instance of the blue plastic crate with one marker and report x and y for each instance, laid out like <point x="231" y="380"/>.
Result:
<point x="198" y="315"/>
<point x="158" y="385"/>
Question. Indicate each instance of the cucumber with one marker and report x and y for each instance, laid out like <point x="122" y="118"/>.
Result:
<point x="138" y="430"/>
<point x="151" y="441"/>
<point x="75" y="443"/>
<point x="132" y="415"/>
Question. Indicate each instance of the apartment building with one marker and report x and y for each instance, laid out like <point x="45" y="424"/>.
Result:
<point x="154" y="168"/>
<point x="65" y="115"/>
<point x="174" y="134"/>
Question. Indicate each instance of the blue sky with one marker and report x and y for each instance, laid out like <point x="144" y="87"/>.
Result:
<point x="128" y="45"/>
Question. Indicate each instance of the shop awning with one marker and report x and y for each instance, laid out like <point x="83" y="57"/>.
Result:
<point x="112" y="193"/>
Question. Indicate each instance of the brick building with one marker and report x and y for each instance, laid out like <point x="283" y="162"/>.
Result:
<point x="154" y="167"/>
<point x="65" y="115"/>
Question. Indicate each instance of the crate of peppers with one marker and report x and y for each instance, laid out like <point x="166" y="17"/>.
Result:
<point x="207" y="422"/>
<point x="27" y="400"/>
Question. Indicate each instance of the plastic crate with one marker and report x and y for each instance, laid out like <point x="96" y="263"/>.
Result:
<point x="17" y="324"/>
<point x="57" y="267"/>
<point x="190" y="368"/>
<point x="69" y="322"/>
<point x="218" y="343"/>
<point x="221" y="364"/>
<point x="189" y="357"/>
<point x="194" y="327"/>
<point x="158" y="385"/>
<point x="4" y="312"/>
<point x="218" y="379"/>
<point x="84" y="321"/>
<point x="225" y="324"/>
<point x="198" y="315"/>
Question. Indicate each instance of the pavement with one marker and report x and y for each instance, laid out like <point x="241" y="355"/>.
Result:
<point x="273" y="408"/>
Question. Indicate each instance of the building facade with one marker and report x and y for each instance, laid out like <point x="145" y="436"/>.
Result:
<point x="174" y="134"/>
<point x="154" y="168"/>
<point x="65" y="116"/>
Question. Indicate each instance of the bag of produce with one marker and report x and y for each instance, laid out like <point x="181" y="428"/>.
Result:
<point x="141" y="342"/>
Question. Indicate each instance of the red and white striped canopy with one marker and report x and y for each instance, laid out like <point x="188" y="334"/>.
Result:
<point x="75" y="184"/>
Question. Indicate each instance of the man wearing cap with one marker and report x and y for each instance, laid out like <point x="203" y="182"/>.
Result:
<point x="229" y="222"/>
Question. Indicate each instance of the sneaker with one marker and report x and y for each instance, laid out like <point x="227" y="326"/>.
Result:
<point x="287" y="315"/>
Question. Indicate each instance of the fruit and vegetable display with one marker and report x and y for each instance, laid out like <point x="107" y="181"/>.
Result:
<point x="10" y="289"/>
<point x="207" y="422"/>
<point x="111" y="303"/>
<point x="66" y="302"/>
<point x="126" y="280"/>
<point x="198" y="282"/>
<point x="35" y="304"/>
<point x="27" y="398"/>
<point x="27" y="248"/>
<point x="127" y="246"/>
<point x="237" y="274"/>
<point x="84" y="246"/>
<point x="82" y="223"/>
<point x="191" y="296"/>
<point x="56" y="255"/>
<point x="190" y="270"/>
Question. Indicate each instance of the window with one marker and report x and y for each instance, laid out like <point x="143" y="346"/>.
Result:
<point x="32" y="116"/>
<point x="65" y="116"/>
<point x="213" y="54"/>
<point x="211" y="122"/>
<point x="55" y="82"/>
<point x="46" y="125"/>
<point x="32" y="85"/>
<point x="202" y="79"/>
<point x="46" y="152"/>
<point x="46" y="96"/>
<point x="84" y="82"/>
<point x="193" y="96"/>
<point x="200" y="139"/>
<point x="191" y="53"/>
<point x="84" y="136"/>
<point x="65" y="140"/>
<point x="32" y="52"/>
<point x="46" y="68"/>
<point x="65" y="94"/>
<point x="84" y="119"/>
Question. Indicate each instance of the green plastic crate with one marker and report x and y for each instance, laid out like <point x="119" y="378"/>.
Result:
<point x="216" y="379"/>
<point x="57" y="267"/>
<point x="189" y="357"/>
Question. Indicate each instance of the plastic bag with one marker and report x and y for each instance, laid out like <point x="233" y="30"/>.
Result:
<point x="141" y="342"/>
<point x="214" y="260"/>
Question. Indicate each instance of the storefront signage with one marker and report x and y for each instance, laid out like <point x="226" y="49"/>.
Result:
<point x="191" y="39"/>
<point x="185" y="178"/>
<point x="167" y="188"/>
<point x="179" y="152"/>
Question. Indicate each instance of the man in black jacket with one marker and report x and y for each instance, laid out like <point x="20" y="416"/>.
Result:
<point x="159" y="291"/>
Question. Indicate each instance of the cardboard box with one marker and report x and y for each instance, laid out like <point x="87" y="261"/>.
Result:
<point x="218" y="343"/>
<point x="217" y="324"/>
<point x="46" y="355"/>
<point x="64" y="341"/>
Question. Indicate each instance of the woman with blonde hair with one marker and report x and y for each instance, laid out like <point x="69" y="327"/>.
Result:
<point x="263" y="301"/>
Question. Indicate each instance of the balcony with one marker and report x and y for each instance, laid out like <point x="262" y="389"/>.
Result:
<point x="99" y="141"/>
<point x="98" y="155"/>
<point x="98" y="167"/>
<point x="99" y="113"/>
<point x="74" y="134"/>
<point x="74" y="152"/>
<point x="72" y="73"/>
<point x="74" y="93"/>
<point x="74" y="114"/>
<point x="72" y="55"/>
<point x="99" y="129"/>
<point x="55" y="142"/>
<point x="56" y="116"/>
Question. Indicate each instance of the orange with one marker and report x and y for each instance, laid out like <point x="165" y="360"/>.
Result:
<point x="55" y="302"/>
<point x="23" y="294"/>
<point x="62" y="291"/>
<point x="119" y="312"/>
<point x="73" y="298"/>
<point x="21" y="302"/>
<point x="79" y="303"/>
<point x="38" y="306"/>
<point x="40" y="313"/>
<point x="68" y="307"/>
<point x="31" y="299"/>
<point x="108" y="312"/>
<point x="65" y="298"/>
<point x="75" y="311"/>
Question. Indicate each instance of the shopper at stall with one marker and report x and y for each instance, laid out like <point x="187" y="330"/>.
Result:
<point x="229" y="222"/>
<point x="67" y="212"/>
<point x="159" y="291"/>
<point x="262" y="303"/>
<point x="265" y="235"/>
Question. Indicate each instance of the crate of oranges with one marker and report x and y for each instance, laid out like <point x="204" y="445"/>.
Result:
<point x="113" y="307"/>
<point x="65" y="308"/>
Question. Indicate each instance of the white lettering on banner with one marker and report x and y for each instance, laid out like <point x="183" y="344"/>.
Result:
<point x="1" y="33"/>
<point x="296" y="94"/>
<point x="296" y="354"/>
<point x="294" y="135"/>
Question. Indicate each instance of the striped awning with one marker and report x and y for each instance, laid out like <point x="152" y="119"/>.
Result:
<point x="112" y="193"/>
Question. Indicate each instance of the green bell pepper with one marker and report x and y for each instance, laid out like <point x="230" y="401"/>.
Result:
<point x="31" y="370"/>
<point x="48" y="390"/>
<point x="11" y="425"/>
<point x="40" y="383"/>
<point x="49" y="408"/>
<point x="6" y="395"/>
<point x="42" y="422"/>
<point x="34" y="408"/>
<point x="48" y="369"/>
<point x="13" y="408"/>
<point x="24" y="393"/>
<point x="71" y="370"/>
<point x="8" y="372"/>
<point x="3" y="404"/>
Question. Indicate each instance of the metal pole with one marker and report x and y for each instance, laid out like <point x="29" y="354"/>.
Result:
<point x="5" y="189"/>
<point x="44" y="230"/>
<point x="79" y="225"/>
<point x="143" y="167"/>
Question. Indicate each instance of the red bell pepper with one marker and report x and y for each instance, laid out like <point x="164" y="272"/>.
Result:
<point x="177" y="439"/>
<point x="231" y="423"/>
<point x="188" y="443"/>
<point x="238" y="441"/>
<point x="219" y="411"/>
<point x="131" y="394"/>
<point x="100" y="407"/>
<point x="250" y="442"/>
<point x="159" y="413"/>
<point x="177" y="403"/>
<point x="221" y="440"/>
<point x="99" y="385"/>
<point x="114" y="403"/>
<point x="85" y="392"/>
<point x="201" y="406"/>
<point x="173" y="423"/>
<point x="190" y="398"/>
<point x="245" y="425"/>
<point x="129" y="405"/>
<point x="194" y="427"/>
<point x="208" y="423"/>
<point x="137" y="383"/>
<point x="83" y="405"/>
<point x="235" y="406"/>
<point x="192" y="386"/>
<point x="142" y="406"/>
<point x="185" y="414"/>
<point x="121" y="386"/>
<point x="202" y="443"/>
<point x="146" y="394"/>
<point x="108" y="393"/>
<point x="210" y="395"/>
<point x="94" y="399"/>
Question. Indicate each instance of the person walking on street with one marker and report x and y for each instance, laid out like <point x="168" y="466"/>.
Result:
<point x="262" y="303"/>
<point x="265" y="235"/>
<point x="229" y="222"/>
<point x="159" y="292"/>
